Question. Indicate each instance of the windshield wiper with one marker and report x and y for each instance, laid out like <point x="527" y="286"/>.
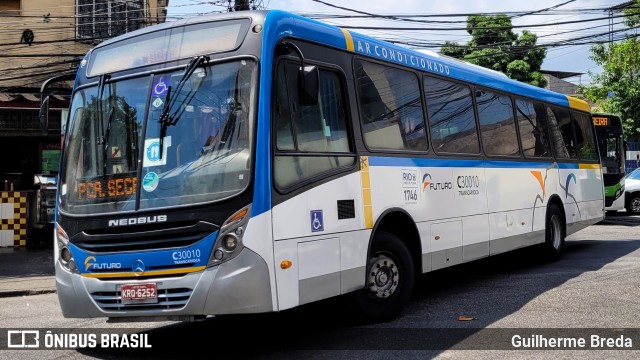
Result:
<point x="166" y="118"/>
<point x="106" y="140"/>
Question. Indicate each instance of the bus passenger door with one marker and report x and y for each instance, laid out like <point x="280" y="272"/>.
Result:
<point x="317" y="188"/>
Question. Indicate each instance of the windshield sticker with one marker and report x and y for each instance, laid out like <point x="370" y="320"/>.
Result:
<point x="115" y="152"/>
<point x="152" y="152"/>
<point x="161" y="85"/>
<point x="150" y="182"/>
<point x="157" y="102"/>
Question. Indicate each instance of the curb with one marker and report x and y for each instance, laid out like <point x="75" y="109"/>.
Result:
<point x="6" y="294"/>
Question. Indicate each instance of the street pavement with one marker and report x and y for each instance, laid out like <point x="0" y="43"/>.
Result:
<point x="26" y="271"/>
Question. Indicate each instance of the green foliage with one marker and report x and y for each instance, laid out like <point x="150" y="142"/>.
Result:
<point x="633" y="15"/>
<point x="494" y="45"/>
<point x="617" y="89"/>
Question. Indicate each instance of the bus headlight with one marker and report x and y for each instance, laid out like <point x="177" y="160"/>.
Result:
<point x="229" y="242"/>
<point x="64" y="254"/>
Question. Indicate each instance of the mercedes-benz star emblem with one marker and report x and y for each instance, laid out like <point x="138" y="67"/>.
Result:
<point x="138" y="267"/>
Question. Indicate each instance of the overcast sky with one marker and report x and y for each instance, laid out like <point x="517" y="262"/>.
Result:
<point x="570" y="58"/>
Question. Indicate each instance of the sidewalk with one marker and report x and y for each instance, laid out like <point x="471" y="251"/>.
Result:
<point x="26" y="272"/>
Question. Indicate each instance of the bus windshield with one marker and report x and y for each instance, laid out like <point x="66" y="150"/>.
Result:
<point x="611" y="152"/>
<point x="610" y="142"/>
<point x="113" y="160"/>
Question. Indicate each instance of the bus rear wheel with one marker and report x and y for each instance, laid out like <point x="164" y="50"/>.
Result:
<point x="554" y="233"/>
<point x="389" y="280"/>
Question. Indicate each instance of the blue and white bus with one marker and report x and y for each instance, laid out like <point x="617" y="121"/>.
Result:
<point x="257" y="161"/>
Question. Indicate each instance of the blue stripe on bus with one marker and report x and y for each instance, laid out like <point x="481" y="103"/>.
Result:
<point x="421" y="162"/>
<point x="568" y="166"/>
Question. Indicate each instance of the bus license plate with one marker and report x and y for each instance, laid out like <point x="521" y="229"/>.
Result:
<point x="139" y="294"/>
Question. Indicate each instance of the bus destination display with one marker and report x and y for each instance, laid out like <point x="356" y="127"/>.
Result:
<point x="107" y="187"/>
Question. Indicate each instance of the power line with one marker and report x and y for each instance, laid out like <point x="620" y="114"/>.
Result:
<point x="395" y="28"/>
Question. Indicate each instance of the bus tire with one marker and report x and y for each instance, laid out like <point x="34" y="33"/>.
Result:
<point x="389" y="279"/>
<point x="633" y="204"/>
<point x="554" y="233"/>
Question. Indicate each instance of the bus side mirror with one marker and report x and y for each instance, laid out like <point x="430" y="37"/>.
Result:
<point x="44" y="113"/>
<point x="308" y="85"/>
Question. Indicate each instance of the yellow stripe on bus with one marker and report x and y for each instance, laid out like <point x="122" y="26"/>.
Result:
<point x="589" y="166"/>
<point x="578" y="104"/>
<point x="348" y="39"/>
<point x="146" y="273"/>
<point x="366" y="192"/>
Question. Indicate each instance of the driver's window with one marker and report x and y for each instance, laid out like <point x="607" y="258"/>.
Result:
<point x="319" y="130"/>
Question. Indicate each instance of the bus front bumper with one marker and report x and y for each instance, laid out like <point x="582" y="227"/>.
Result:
<point x="240" y="285"/>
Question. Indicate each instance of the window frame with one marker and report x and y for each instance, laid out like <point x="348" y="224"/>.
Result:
<point x="517" y="97"/>
<point x="471" y="87"/>
<point x="418" y="75"/>
<point x="593" y="134"/>
<point x="292" y="153"/>
<point x="511" y="96"/>
<point x="573" y="133"/>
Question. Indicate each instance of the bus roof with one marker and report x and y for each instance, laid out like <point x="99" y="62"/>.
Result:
<point x="279" y="24"/>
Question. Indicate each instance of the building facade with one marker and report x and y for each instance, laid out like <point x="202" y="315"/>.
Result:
<point x="40" y="39"/>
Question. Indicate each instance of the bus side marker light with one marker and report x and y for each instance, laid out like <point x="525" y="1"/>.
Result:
<point x="285" y="264"/>
<point x="237" y="216"/>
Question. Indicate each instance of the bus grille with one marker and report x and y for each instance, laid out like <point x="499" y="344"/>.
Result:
<point x="142" y="238"/>
<point x="167" y="299"/>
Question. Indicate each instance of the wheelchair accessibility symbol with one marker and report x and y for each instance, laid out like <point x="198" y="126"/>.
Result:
<point x="317" y="224"/>
<point x="161" y="85"/>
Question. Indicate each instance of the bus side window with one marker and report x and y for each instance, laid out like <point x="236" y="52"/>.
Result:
<point x="584" y="131"/>
<point x="561" y="133"/>
<point x="392" y="116"/>
<point x="451" y="117"/>
<point x="532" y="122"/>
<point x="320" y="130"/>
<point x="497" y="125"/>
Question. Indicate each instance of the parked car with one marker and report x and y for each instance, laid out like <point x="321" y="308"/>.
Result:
<point x="632" y="192"/>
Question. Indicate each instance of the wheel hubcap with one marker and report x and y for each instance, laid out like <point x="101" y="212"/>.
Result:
<point x="556" y="232"/>
<point x="383" y="277"/>
<point x="635" y="205"/>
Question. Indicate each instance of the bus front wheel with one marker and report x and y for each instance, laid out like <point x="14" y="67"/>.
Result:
<point x="389" y="279"/>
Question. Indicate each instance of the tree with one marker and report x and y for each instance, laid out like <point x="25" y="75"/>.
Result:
<point x="617" y="88"/>
<point x="494" y="45"/>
